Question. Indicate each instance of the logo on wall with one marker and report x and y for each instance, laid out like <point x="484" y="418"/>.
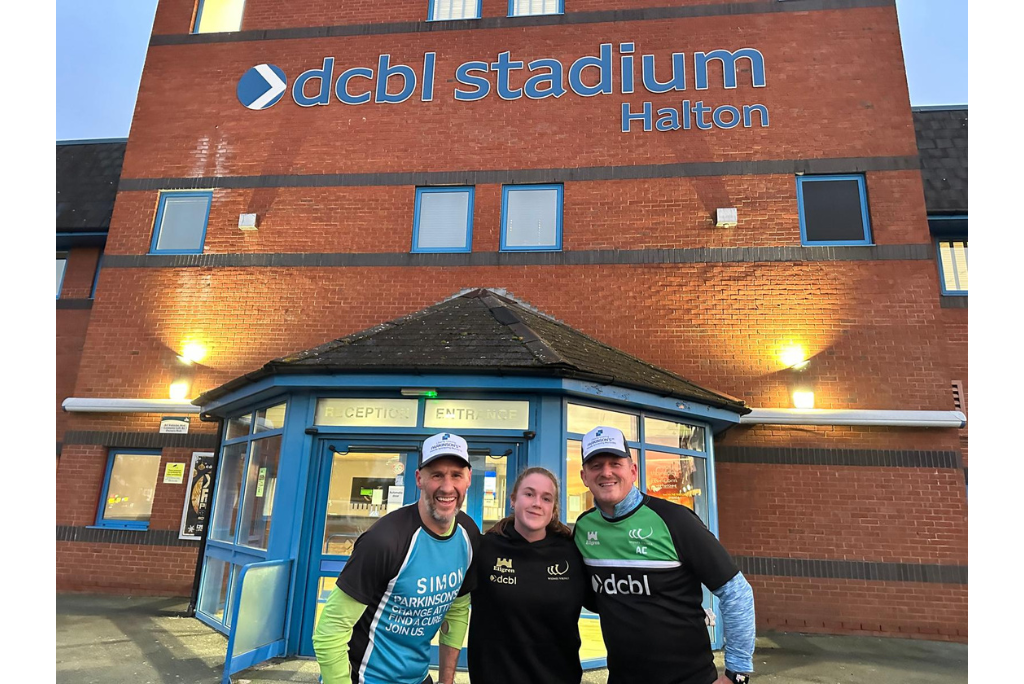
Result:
<point x="262" y="86"/>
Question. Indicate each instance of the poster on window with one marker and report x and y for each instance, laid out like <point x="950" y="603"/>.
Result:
<point x="196" y="513"/>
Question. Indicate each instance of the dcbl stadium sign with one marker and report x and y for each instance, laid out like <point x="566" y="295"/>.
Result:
<point x="264" y="85"/>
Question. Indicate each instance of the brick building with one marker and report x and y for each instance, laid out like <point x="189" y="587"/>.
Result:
<point x="339" y="228"/>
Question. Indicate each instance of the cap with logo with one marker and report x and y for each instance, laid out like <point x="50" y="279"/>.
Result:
<point x="604" y="440"/>
<point x="444" y="444"/>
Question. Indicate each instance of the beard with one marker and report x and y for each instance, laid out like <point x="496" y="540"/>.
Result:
<point x="441" y="517"/>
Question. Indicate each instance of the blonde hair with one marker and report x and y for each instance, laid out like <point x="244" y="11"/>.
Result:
<point x="555" y="526"/>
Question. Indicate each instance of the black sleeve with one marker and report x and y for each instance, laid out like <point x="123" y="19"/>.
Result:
<point x="374" y="561"/>
<point x="700" y="549"/>
<point x="469" y="583"/>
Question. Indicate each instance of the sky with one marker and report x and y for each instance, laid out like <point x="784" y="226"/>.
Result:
<point x="101" y="48"/>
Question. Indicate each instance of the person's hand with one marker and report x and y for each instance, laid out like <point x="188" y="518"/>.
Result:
<point x="722" y="679"/>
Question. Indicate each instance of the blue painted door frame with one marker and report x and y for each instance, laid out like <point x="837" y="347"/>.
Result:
<point x="323" y="565"/>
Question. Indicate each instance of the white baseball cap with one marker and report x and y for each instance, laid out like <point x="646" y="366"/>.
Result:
<point x="444" y="444"/>
<point x="604" y="440"/>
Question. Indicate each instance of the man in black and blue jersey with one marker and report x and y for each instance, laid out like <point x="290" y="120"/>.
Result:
<point x="404" y="582"/>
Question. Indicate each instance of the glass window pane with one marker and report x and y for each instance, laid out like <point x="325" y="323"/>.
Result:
<point x="832" y="210"/>
<point x="521" y="8"/>
<point x="258" y="494"/>
<point x="671" y="434"/>
<point x="455" y="9"/>
<point x="270" y="418"/>
<point x="443" y="220"/>
<point x="495" y="494"/>
<point x="583" y="419"/>
<point x="680" y="479"/>
<point x="213" y="594"/>
<point x="577" y="497"/>
<point x="358" y="496"/>
<point x="225" y="508"/>
<point x="182" y="223"/>
<point x="132" y="483"/>
<point x="61" y="265"/>
<point x="532" y="218"/>
<point x="216" y="16"/>
<point x="238" y="427"/>
<point x="953" y="257"/>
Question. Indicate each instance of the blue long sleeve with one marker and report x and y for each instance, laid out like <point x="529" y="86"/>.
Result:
<point x="737" y="608"/>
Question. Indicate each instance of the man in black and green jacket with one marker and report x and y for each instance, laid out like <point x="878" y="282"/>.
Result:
<point x="647" y="559"/>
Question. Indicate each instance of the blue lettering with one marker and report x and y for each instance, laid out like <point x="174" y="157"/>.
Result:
<point x="323" y="96"/>
<point x="341" y="87"/>
<point x="428" y="77"/>
<point x="734" y="117"/>
<point x="482" y="85"/>
<point x="699" y="111"/>
<point x="668" y="120"/>
<point x="553" y="78"/>
<point x="384" y="73"/>
<point x="603" y="64"/>
<point x="646" y="116"/>
<point x="501" y="68"/>
<point x="686" y="115"/>
<point x="761" y="109"/>
<point x="627" y="67"/>
<point x="728" y="60"/>
<point x="678" y="80"/>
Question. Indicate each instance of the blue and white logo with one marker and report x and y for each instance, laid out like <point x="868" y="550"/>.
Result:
<point x="262" y="86"/>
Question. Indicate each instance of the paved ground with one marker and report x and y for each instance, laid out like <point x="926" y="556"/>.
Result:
<point x="119" y="640"/>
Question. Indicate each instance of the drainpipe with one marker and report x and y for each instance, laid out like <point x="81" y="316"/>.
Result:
<point x="865" y="417"/>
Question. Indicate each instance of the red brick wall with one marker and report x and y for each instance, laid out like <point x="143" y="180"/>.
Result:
<point x="72" y="325"/>
<point x="146" y="569"/>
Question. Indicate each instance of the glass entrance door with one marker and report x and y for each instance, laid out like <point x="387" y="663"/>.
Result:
<point x="360" y="482"/>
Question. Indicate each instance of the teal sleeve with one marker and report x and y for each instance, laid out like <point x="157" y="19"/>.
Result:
<point x="456" y="623"/>
<point x="332" y="634"/>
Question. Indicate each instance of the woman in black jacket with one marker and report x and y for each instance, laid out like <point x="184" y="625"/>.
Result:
<point x="530" y="587"/>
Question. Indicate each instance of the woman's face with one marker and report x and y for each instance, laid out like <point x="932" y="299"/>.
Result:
<point x="534" y="502"/>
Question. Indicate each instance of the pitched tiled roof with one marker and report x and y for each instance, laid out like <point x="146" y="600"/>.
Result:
<point x="87" y="177"/>
<point x="942" y="143"/>
<point x="483" y="331"/>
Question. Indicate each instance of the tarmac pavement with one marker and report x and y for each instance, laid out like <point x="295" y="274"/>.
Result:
<point x="123" y="640"/>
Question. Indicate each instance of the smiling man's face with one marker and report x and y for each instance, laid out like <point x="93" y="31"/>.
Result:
<point x="609" y="478"/>
<point x="443" y="483"/>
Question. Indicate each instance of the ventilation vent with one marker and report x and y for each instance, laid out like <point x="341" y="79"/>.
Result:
<point x="958" y="396"/>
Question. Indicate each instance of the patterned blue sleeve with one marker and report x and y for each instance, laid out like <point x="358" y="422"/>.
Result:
<point x="737" y="608"/>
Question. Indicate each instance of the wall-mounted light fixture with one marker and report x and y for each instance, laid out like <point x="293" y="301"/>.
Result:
<point x="179" y="390"/>
<point x="419" y="392"/>
<point x="192" y="352"/>
<point x="247" y="222"/>
<point x="794" y="357"/>
<point x="726" y="217"/>
<point x="803" y="399"/>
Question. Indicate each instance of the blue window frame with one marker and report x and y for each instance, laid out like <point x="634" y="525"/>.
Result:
<point x="528" y="8"/>
<point x="952" y="256"/>
<point x="218" y="16"/>
<point x="443" y="220"/>
<point x="447" y="10"/>
<point x="128" y="487"/>
<point x="833" y="210"/>
<point x="180" y="225"/>
<point x="531" y="218"/>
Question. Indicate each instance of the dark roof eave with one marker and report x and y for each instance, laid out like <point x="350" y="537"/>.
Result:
<point x="555" y="370"/>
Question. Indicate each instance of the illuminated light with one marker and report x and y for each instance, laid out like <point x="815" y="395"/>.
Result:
<point x="419" y="392"/>
<point x="179" y="390"/>
<point x="803" y="399"/>
<point x="794" y="357"/>
<point x="193" y="352"/>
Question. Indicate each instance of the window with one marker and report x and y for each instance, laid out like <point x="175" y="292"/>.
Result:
<point x="62" y="264"/>
<point x="217" y="16"/>
<point x="523" y="8"/>
<point x="531" y="217"/>
<point x="953" y="266"/>
<point x="443" y="220"/>
<point x="441" y="10"/>
<point x="180" y="226"/>
<point x="833" y="210"/>
<point x="128" y="490"/>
